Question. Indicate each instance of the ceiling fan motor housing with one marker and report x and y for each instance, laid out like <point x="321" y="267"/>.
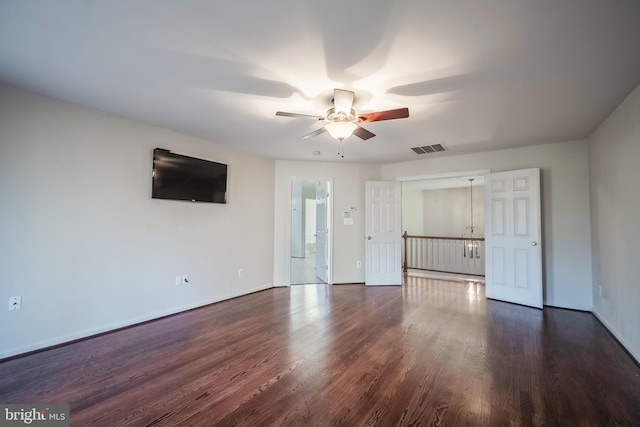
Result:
<point x="341" y="116"/>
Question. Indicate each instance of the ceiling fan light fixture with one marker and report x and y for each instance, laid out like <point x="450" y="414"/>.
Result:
<point x="341" y="130"/>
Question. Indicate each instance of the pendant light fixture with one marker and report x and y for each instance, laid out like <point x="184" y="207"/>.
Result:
<point x="470" y="249"/>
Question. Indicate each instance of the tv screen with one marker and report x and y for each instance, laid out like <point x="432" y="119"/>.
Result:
<point x="177" y="177"/>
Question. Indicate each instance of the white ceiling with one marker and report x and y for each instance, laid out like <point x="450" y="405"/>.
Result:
<point x="476" y="75"/>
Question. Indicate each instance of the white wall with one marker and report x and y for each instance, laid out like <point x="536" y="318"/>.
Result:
<point x="565" y="209"/>
<point x="614" y="153"/>
<point x="348" y="190"/>
<point x="412" y="211"/>
<point x="84" y="244"/>
<point x="447" y="212"/>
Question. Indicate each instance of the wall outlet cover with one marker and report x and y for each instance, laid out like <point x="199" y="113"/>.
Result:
<point x="15" y="303"/>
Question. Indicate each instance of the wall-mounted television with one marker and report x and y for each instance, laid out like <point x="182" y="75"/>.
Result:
<point x="178" y="177"/>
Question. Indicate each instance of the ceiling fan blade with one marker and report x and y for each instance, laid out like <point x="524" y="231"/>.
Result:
<point x="315" y="132"/>
<point x="342" y="101"/>
<point x="310" y="116"/>
<point x="400" y="113"/>
<point x="362" y="133"/>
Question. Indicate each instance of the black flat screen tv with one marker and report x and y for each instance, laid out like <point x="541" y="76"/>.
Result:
<point x="178" y="177"/>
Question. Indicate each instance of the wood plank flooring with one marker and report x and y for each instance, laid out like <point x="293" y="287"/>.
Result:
<point x="431" y="352"/>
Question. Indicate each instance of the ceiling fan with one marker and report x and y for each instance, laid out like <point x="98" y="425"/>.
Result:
<point x="342" y="120"/>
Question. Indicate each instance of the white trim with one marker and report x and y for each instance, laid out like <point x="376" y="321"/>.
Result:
<point x="289" y="205"/>
<point x="118" y="325"/>
<point x="330" y="226"/>
<point x="613" y="332"/>
<point x="459" y="174"/>
<point x="566" y="307"/>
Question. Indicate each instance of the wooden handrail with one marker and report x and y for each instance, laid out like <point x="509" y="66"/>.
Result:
<point x="407" y="236"/>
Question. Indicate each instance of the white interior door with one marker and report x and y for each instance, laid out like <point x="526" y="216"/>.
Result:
<point x="322" y="266"/>
<point x="383" y="237"/>
<point x="513" y="238"/>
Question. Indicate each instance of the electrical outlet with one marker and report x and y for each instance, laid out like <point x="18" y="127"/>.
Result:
<point x="240" y="272"/>
<point x="178" y="280"/>
<point x="15" y="303"/>
<point x="185" y="279"/>
<point x="358" y="264"/>
<point x="600" y="290"/>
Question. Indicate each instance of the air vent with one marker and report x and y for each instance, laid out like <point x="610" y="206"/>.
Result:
<point x="428" y="149"/>
<point x="435" y="148"/>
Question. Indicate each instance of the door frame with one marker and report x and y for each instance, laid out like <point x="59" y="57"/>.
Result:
<point x="329" y="225"/>
<point x="456" y="174"/>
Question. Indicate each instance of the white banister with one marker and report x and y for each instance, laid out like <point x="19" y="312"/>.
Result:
<point x="444" y="254"/>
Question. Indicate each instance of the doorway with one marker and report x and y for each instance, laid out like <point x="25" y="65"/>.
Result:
<point x="310" y="236"/>
<point x="443" y="217"/>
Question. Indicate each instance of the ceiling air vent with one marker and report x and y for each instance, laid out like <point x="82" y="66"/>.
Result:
<point x="435" y="148"/>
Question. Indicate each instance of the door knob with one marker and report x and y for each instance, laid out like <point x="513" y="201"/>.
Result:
<point x="368" y="237"/>
<point x="534" y="243"/>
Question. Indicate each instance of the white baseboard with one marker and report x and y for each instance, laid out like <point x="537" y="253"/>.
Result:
<point x="577" y="308"/>
<point x="117" y="325"/>
<point x="613" y="332"/>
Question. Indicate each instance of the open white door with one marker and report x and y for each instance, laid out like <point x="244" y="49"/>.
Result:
<point x="383" y="233"/>
<point x="322" y="266"/>
<point x="513" y="238"/>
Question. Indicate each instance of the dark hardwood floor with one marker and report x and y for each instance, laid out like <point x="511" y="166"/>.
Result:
<point x="429" y="353"/>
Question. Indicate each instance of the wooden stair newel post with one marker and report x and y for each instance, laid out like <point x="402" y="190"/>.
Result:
<point x="404" y="264"/>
